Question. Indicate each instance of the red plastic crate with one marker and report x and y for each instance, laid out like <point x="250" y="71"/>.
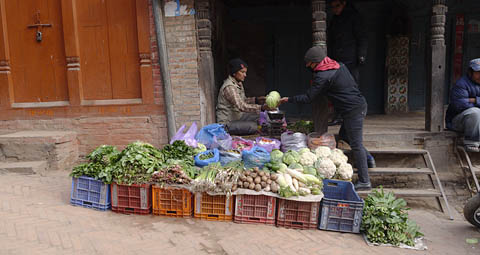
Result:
<point x="173" y="202"/>
<point x="131" y="199"/>
<point x="299" y="215"/>
<point x="255" y="209"/>
<point x="217" y="208"/>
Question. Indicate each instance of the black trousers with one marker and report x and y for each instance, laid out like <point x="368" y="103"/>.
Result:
<point x="351" y="132"/>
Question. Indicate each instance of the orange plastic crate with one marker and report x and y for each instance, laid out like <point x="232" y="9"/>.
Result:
<point x="299" y="215"/>
<point x="135" y="199"/>
<point x="173" y="202"/>
<point x="217" y="208"/>
<point x="255" y="209"/>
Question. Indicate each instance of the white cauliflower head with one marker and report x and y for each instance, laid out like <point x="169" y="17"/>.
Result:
<point x="307" y="158"/>
<point x="325" y="168"/>
<point x="338" y="157"/>
<point x="345" y="171"/>
<point x="323" y="152"/>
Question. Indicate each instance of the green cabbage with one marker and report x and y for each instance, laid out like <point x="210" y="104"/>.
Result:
<point x="301" y="151"/>
<point x="296" y="166"/>
<point x="273" y="99"/>
<point x="276" y="156"/>
<point x="310" y="170"/>
<point x="291" y="157"/>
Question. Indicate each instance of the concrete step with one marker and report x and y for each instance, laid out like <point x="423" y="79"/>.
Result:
<point x="58" y="148"/>
<point x="397" y="171"/>
<point x="29" y="167"/>
<point x="394" y="151"/>
<point x="406" y="192"/>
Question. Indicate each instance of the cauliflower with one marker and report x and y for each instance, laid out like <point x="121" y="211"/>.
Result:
<point x="307" y="158"/>
<point x="338" y="157"/>
<point x="345" y="171"/>
<point x="323" y="152"/>
<point x="325" y="168"/>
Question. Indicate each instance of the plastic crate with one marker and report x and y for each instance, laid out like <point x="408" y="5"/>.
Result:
<point x="90" y="193"/>
<point x="132" y="199"/>
<point x="342" y="207"/>
<point x="299" y="215"/>
<point x="255" y="209"/>
<point x="218" y="208"/>
<point x="174" y="202"/>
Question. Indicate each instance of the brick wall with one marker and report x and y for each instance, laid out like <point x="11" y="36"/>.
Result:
<point x="113" y="125"/>
<point x="181" y="39"/>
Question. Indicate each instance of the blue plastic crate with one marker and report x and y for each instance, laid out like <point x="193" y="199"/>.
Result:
<point x="90" y="193"/>
<point x="341" y="208"/>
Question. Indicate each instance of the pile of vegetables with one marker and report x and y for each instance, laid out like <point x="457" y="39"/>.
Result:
<point x="206" y="156"/>
<point x="173" y="174"/>
<point x="99" y="165"/>
<point x="205" y="181"/>
<point x="301" y="126"/>
<point x="296" y="183"/>
<point x="258" y="180"/>
<point x="273" y="99"/>
<point x="385" y="220"/>
<point x="227" y="177"/>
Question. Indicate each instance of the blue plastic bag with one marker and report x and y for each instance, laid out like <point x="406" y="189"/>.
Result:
<point x="256" y="157"/>
<point x="228" y="156"/>
<point x="206" y="162"/>
<point x="214" y="136"/>
<point x="188" y="137"/>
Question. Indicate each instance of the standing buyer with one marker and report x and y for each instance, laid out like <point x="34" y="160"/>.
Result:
<point x="333" y="79"/>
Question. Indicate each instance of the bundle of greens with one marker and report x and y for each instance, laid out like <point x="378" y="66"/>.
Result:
<point x="136" y="163"/>
<point x="205" y="181"/>
<point x="100" y="164"/>
<point x="227" y="177"/>
<point x="301" y="126"/>
<point x="171" y="175"/>
<point x="385" y="220"/>
<point x="179" y="150"/>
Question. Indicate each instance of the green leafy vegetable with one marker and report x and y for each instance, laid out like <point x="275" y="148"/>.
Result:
<point x="385" y="220"/>
<point x="100" y="165"/>
<point x="301" y="126"/>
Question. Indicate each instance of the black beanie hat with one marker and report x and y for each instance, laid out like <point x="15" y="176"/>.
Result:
<point x="315" y="54"/>
<point x="236" y="65"/>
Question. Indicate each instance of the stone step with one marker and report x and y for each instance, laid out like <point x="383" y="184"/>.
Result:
<point x="394" y="151"/>
<point x="58" y="148"/>
<point x="406" y="192"/>
<point x="28" y="167"/>
<point x="397" y="171"/>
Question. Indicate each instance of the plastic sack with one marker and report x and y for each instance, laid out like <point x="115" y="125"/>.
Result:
<point x="212" y="136"/>
<point x="268" y="144"/>
<point x="293" y="141"/>
<point x="316" y="140"/>
<point x="241" y="144"/>
<point x="201" y="163"/>
<point x="188" y="137"/>
<point x="229" y="156"/>
<point x="256" y="157"/>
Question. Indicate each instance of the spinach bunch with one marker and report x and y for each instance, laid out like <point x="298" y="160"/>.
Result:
<point x="136" y="163"/>
<point x="179" y="150"/>
<point x="385" y="220"/>
<point x="99" y="165"/>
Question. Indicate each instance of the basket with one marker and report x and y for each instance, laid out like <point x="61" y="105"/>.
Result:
<point x="173" y="202"/>
<point x="216" y="208"/>
<point x="132" y="199"/>
<point x="91" y="193"/>
<point x="255" y="209"/>
<point x="296" y="214"/>
<point x="342" y="207"/>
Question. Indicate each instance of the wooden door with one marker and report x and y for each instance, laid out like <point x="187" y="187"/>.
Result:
<point x="38" y="67"/>
<point x="109" y="49"/>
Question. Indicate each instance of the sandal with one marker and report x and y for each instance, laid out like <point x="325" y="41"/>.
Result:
<point x="472" y="148"/>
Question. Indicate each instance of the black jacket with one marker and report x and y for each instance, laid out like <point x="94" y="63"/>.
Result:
<point x="339" y="86"/>
<point x="347" y="37"/>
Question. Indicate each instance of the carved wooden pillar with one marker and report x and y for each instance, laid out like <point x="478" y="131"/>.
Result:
<point x="145" y="56"/>
<point x="319" y="36"/>
<point x="434" y="114"/>
<point x="72" y="51"/>
<point x="6" y="83"/>
<point x="205" y="65"/>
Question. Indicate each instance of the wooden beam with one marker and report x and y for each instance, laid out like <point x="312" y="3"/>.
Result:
<point x="6" y="82"/>
<point x="434" y="114"/>
<point x="143" y="33"/>
<point x="72" y="51"/>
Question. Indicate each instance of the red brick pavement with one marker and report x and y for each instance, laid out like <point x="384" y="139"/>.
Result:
<point x="36" y="218"/>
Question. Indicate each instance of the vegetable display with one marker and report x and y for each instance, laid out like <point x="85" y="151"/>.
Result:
<point x="273" y="99"/>
<point x="301" y="126"/>
<point x="99" y="165"/>
<point x="171" y="175"/>
<point x="385" y="220"/>
<point x="258" y="180"/>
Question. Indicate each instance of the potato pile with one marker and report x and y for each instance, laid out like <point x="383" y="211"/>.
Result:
<point x="258" y="180"/>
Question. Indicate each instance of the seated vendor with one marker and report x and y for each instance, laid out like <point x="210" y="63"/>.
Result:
<point x="236" y="111"/>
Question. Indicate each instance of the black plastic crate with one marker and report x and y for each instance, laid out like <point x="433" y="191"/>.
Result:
<point x="341" y="208"/>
